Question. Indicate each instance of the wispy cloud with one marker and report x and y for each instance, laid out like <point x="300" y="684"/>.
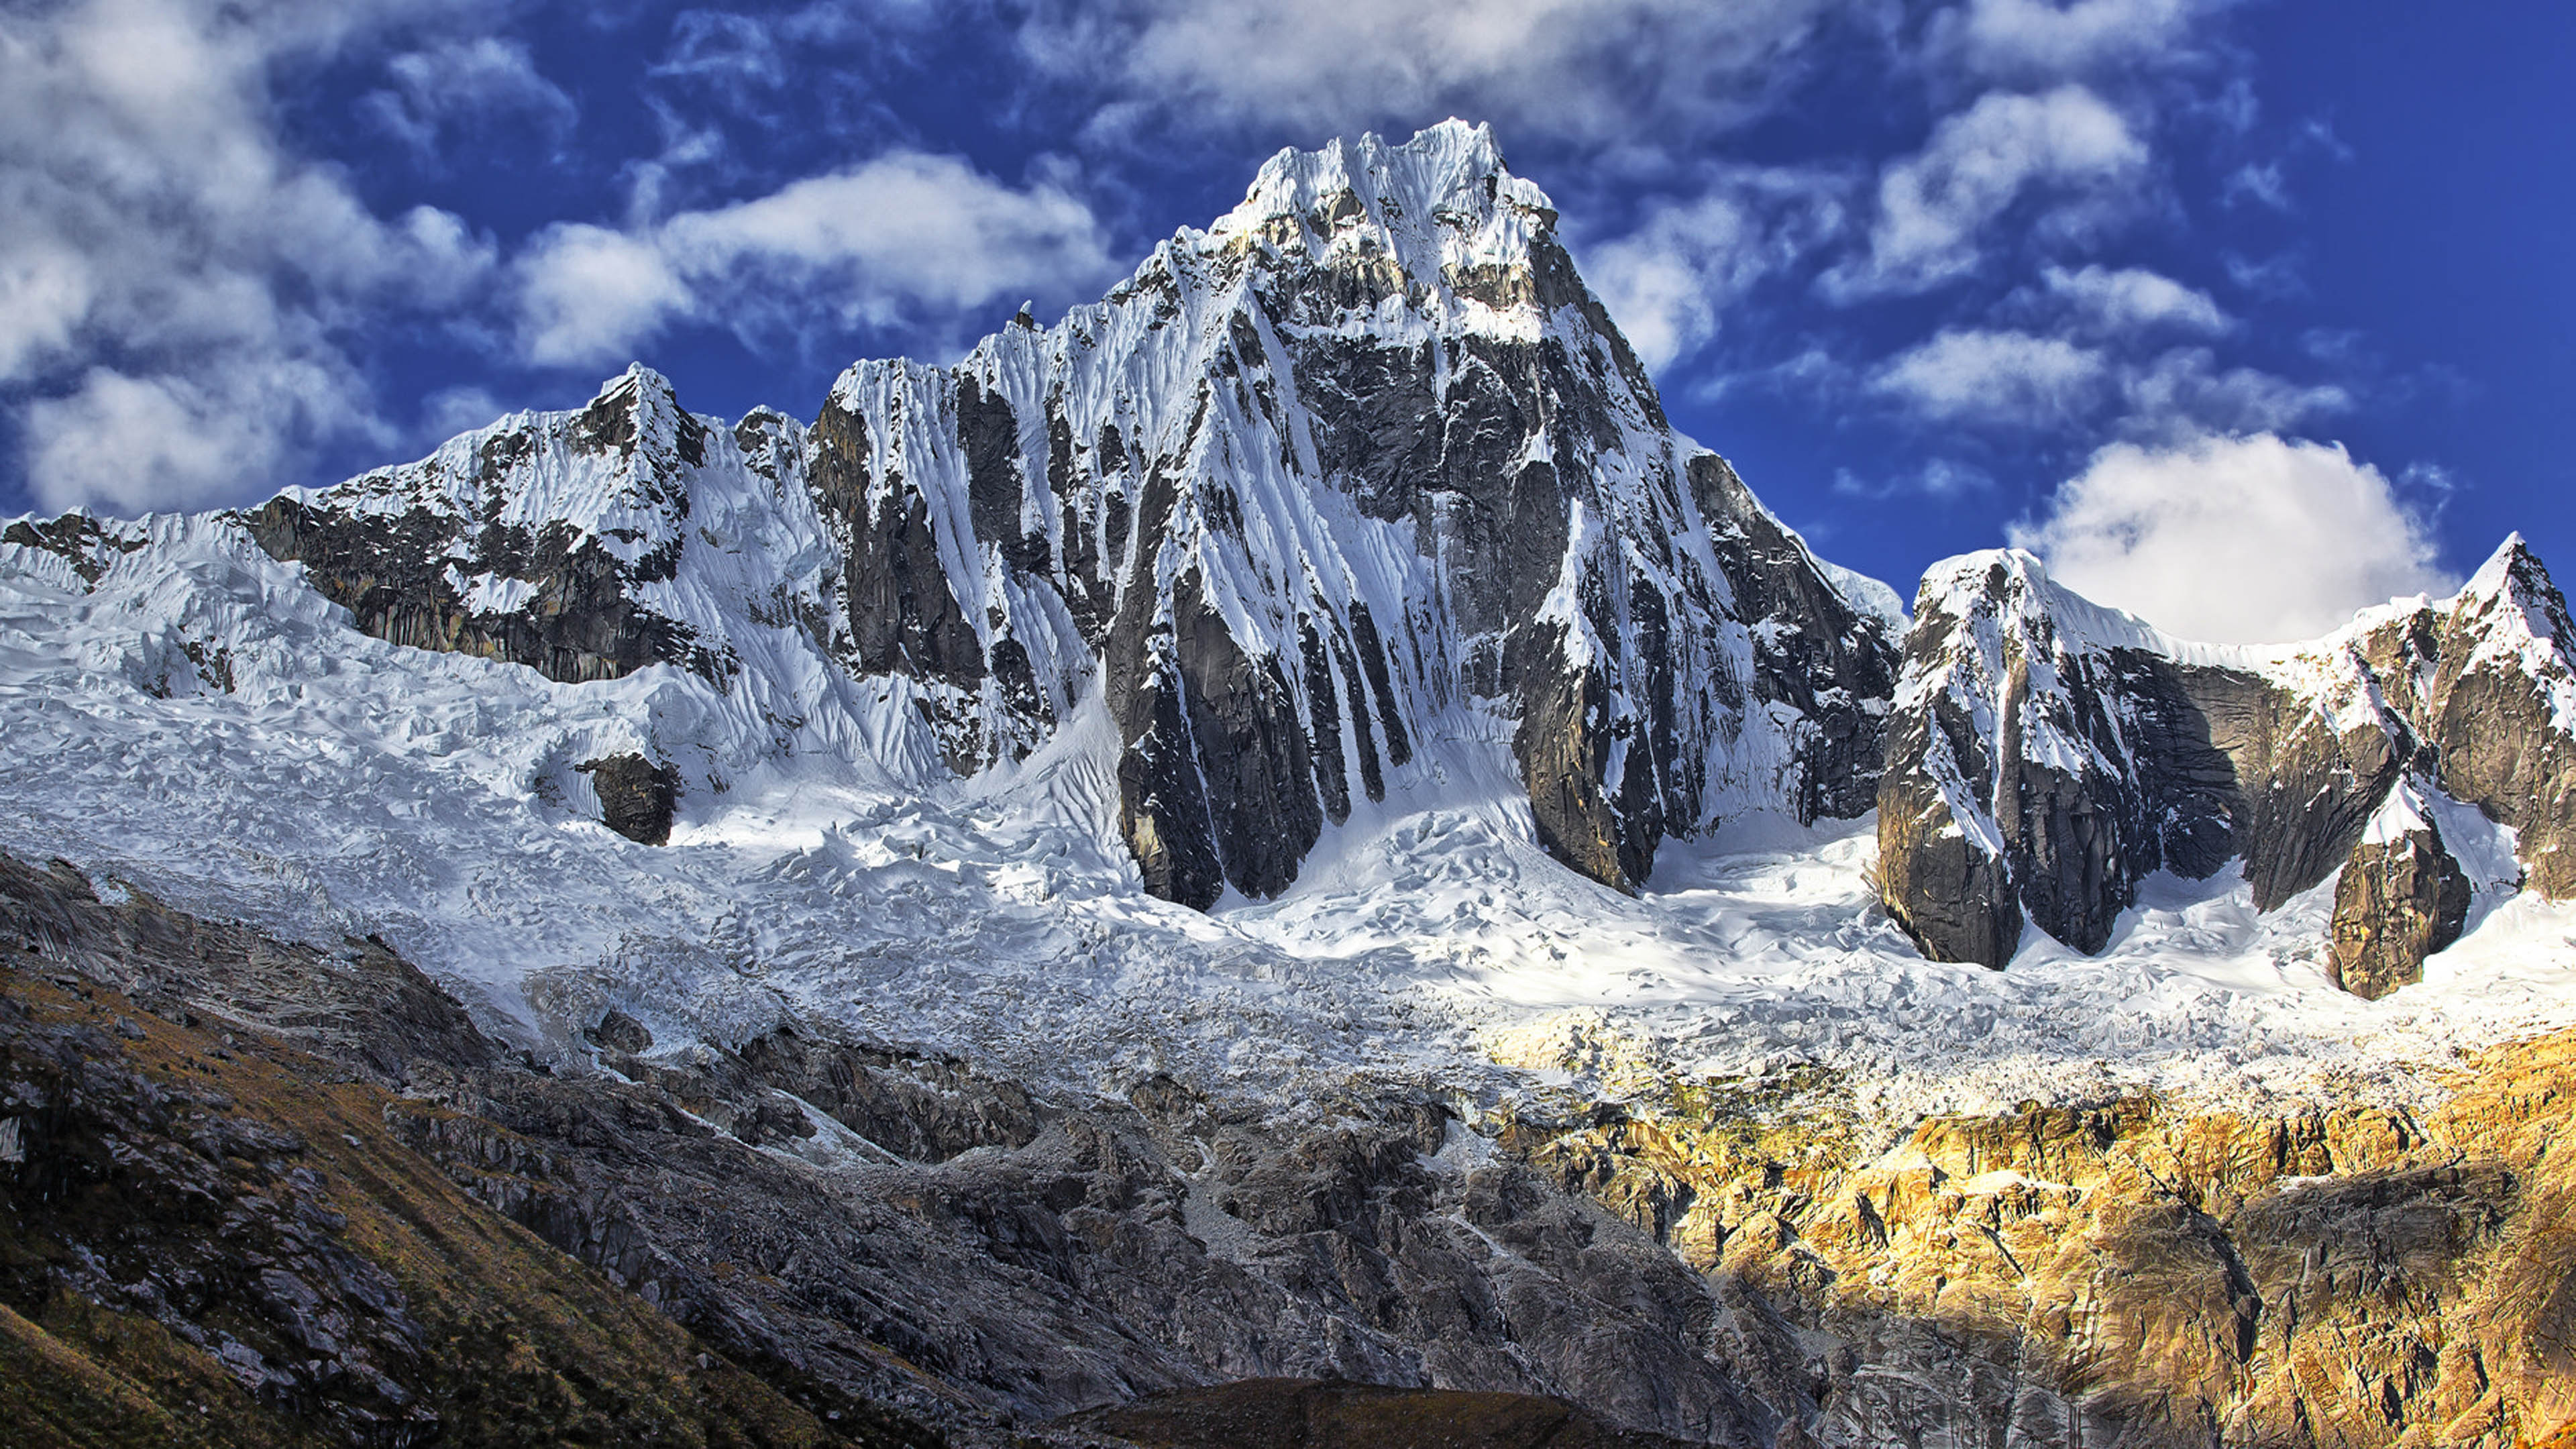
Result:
<point x="1936" y="207"/>
<point x="1669" y="280"/>
<point x="1590" y="68"/>
<point x="482" y="83"/>
<point x="2025" y="39"/>
<point x="2133" y="299"/>
<point x="2012" y="378"/>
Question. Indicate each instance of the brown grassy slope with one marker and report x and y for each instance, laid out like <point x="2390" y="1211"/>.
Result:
<point x="209" y="1240"/>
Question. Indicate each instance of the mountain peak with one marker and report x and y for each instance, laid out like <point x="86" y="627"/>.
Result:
<point x="1443" y="196"/>
<point x="2512" y="566"/>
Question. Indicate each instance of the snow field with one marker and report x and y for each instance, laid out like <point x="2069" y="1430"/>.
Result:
<point x="347" y="786"/>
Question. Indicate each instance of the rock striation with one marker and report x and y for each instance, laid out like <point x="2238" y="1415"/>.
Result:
<point x="1362" y="471"/>
<point x="2045" y="755"/>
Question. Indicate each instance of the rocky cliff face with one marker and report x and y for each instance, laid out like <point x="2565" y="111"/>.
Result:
<point x="1360" y="471"/>
<point x="2402" y="897"/>
<point x="2045" y="755"/>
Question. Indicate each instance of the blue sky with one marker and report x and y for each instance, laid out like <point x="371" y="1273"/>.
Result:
<point x="2243" y="314"/>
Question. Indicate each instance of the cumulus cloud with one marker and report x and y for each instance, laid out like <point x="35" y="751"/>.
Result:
<point x="132" y="444"/>
<point x="168" y="263"/>
<point x="2014" y="378"/>
<point x="1935" y="206"/>
<point x="865" y="246"/>
<point x="2029" y="380"/>
<point x="2255" y="539"/>
<point x="1588" y="68"/>
<point x="1667" y="281"/>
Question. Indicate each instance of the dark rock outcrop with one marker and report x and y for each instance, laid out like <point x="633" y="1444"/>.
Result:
<point x="212" y="1232"/>
<point x="1297" y="1413"/>
<point x="637" y="798"/>
<point x="2398" y="901"/>
<point x="862" y="1225"/>
<point x="2045" y="757"/>
<point x="2486" y="679"/>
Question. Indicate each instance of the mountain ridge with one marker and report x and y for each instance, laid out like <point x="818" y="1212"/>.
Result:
<point x="2049" y="754"/>
<point x="1363" y="453"/>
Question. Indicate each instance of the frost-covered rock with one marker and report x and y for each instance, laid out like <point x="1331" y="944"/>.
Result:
<point x="2046" y="755"/>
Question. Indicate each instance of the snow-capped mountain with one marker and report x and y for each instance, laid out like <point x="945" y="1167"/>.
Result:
<point x="1364" y="462"/>
<point x="1338" y="577"/>
<point x="2047" y="755"/>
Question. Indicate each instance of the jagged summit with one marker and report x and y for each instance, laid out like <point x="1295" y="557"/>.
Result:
<point x="1440" y="204"/>
<point x="2014" y="583"/>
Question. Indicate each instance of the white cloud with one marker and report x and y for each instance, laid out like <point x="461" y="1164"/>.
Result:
<point x="2263" y="183"/>
<point x="865" y="247"/>
<point x="2254" y="539"/>
<point x="2185" y="391"/>
<point x="589" y="294"/>
<point x="1667" y="281"/>
<point x="1935" y="206"/>
<point x="453" y="410"/>
<point x="472" y="83"/>
<point x="1938" y="478"/>
<point x="2012" y="378"/>
<point x="1596" y="69"/>
<point x="2133" y="299"/>
<point x="167" y="260"/>
<point x="165" y="441"/>
<point x="2023" y="38"/>
<point x="2021" y="379"/>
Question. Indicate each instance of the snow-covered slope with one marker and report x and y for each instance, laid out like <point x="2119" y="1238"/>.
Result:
<point x="1338" y="572"/>
<point x="195" y="720"/>
<point x="1362" y="462"/>
<point x="1361" y="466"/>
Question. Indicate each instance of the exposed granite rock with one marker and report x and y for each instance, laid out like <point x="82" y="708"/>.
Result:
<point x="2046" y="755"/>
<point x="2035" y="767"/>
<point x="2486" y="679"/>
<point x="619" y="1032"/>
<point x="1831" y="662"/>
<point x="2398" y="902"/>
<point x="862" y="1226"/>
<point x="2130" y="1272"/>
<point x="77" y="539"/>
<point x="637" y="798"/>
